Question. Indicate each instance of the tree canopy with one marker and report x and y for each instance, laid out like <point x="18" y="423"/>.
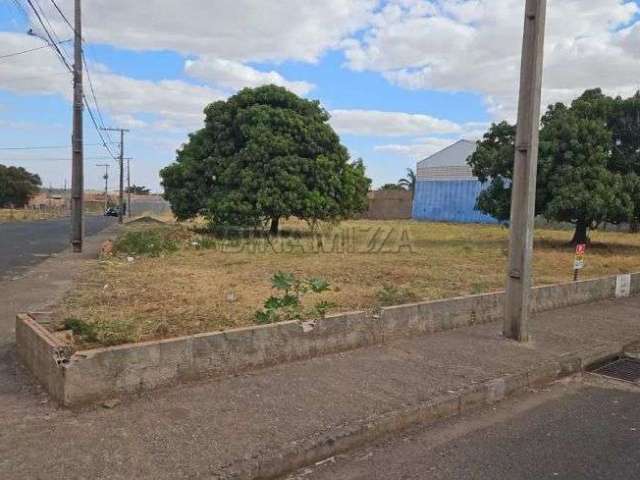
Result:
<point x="263" y="155"/>
<point x="17" y="186"/>
<point x="138" y="190"/>
<point x="396" y="187"/>
<point x="409" y="182"/>
<point x="589" y="163"/>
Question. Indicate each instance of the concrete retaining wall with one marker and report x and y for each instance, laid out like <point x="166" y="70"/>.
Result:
<point x="91" y="375"/>
<point x="43" y="353"/>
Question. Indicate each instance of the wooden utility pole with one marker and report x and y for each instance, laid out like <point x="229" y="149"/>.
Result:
<point x="523" y="199"/>
<point x="129" y="187"/>
<point x="106" y="183"/>
<point x="121" y="162"/>
<point x="77" y="166"/>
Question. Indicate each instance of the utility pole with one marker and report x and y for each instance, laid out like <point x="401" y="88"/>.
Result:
<point x="129" y="187"/>
<point x="77" y="173"/>
<point x="121" y="161"/>
<point x="523" y="198"/>
<point x="106" y="183"/>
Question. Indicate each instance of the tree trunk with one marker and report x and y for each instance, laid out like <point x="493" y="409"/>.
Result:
<point x="580" y="235"/>
<point x="634" y="225"/>
<point x="275" y="226"/>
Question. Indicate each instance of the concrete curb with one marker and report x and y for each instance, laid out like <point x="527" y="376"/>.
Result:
<point x="273" y="465"/>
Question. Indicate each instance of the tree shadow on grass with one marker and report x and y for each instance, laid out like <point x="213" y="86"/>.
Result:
<point x="613" y="248"/>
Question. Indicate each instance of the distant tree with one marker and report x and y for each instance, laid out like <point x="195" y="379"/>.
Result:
<point x="392" y="187"/>
<point x="17" y="186"/>
<point x="492" y="162"/>
<point x="624" y="123"/>
<point x="577" y="181"/>
<point x="138" y="190"/>
<point x="265" y="154"/>
<point x="409" y="182"/>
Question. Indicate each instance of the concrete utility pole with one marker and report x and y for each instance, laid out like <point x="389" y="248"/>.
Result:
<point x="121" y="161"/>
<point x="129" y="187"/>
<point x="77" y="173"/>
<point x="106" y="183"/>
<point x="523" y="199"/>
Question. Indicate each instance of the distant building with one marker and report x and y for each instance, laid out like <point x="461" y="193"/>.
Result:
<point x="446" y="190"/>
<point x="388" y="205"/>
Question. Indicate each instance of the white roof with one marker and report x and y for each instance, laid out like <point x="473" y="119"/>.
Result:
<point x="455" y="155"/>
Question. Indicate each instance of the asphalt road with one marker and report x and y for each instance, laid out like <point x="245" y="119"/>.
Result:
<point x="581" y="432"/>
<point x="25" y="244"/>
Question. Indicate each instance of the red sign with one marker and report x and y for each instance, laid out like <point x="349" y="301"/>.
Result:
<point x="578" y="263"/>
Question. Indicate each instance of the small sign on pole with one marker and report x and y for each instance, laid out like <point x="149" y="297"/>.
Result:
<point x="578" y="262"/>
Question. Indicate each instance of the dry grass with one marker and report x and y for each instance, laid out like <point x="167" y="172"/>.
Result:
<point x="217" y="284"/>
<point x="26" y="215"/>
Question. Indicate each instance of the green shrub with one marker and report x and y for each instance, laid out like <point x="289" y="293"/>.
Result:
<point x="288" y="304"/>
<point x="153" y="242"/>
<point x="107" y="333"/>
<point x="390" y="295"/>
<point x="83" y="330"/>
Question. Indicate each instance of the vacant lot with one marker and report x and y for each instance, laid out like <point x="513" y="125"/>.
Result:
<point x="176" y="281"/>
<point x="19" y="215"/>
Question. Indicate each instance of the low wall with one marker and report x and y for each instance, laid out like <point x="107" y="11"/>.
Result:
<point x="389" y="205"/>
<point x="43" y="353"/>
<point x="91" y="375"/>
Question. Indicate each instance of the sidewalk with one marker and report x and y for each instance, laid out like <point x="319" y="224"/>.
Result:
<point x="255" y="424"/>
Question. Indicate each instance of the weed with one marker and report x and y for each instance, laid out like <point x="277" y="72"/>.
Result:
<point x="391" y="295"/>
<point x="104" y="332"/>
<point x="152" y="242"/>
<point x="288" y="305"/>
<point x="83" y="330"/>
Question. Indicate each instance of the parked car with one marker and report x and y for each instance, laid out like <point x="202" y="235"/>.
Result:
<point x="112" y="212"/>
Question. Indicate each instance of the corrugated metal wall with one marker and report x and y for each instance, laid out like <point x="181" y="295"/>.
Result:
<point x="449" y="201"/>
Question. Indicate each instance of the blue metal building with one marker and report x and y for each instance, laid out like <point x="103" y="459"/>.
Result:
<point x="446" y="190"/>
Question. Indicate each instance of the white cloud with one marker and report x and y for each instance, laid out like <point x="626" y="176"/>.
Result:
<point x="173" y="103"/>
<point x="474" y="45"/>
<point x="235" y="75"/>
<point x="415" y="151"/>
<point x="238" y="30"/>
<point x="388" y="124"/>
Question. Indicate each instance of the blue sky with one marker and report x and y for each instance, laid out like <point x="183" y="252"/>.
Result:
<point x="402" y="78"/>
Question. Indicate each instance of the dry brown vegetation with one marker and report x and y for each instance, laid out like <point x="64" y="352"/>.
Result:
<point x="202" y="283"/>
<point x="28" y="215"/>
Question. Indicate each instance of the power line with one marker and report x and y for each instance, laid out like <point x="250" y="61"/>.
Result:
<point x="30" y="50"/>
<point x="97" y="127"/>
<point x="47" y="147"/>
<point x="49" y="36"/>
<point x="63" y="16"/>
<point x="96" y="118"/>
<point x="95" y="99"/>
<point x="54" y="159"/>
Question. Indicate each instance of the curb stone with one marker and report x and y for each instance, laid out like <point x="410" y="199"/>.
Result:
<point x="272" y="465"/>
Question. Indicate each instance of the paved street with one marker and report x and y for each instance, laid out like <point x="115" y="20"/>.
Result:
<point x="570" y="432"/>
<point x="25" y="244"/>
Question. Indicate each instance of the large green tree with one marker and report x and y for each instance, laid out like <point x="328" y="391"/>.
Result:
<point x="17" y="185"/>
<point x="579" y="187"/>
<point x="263" y="155"/>
<point x="584" y="172"/>
<point x="624" y="123"/>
